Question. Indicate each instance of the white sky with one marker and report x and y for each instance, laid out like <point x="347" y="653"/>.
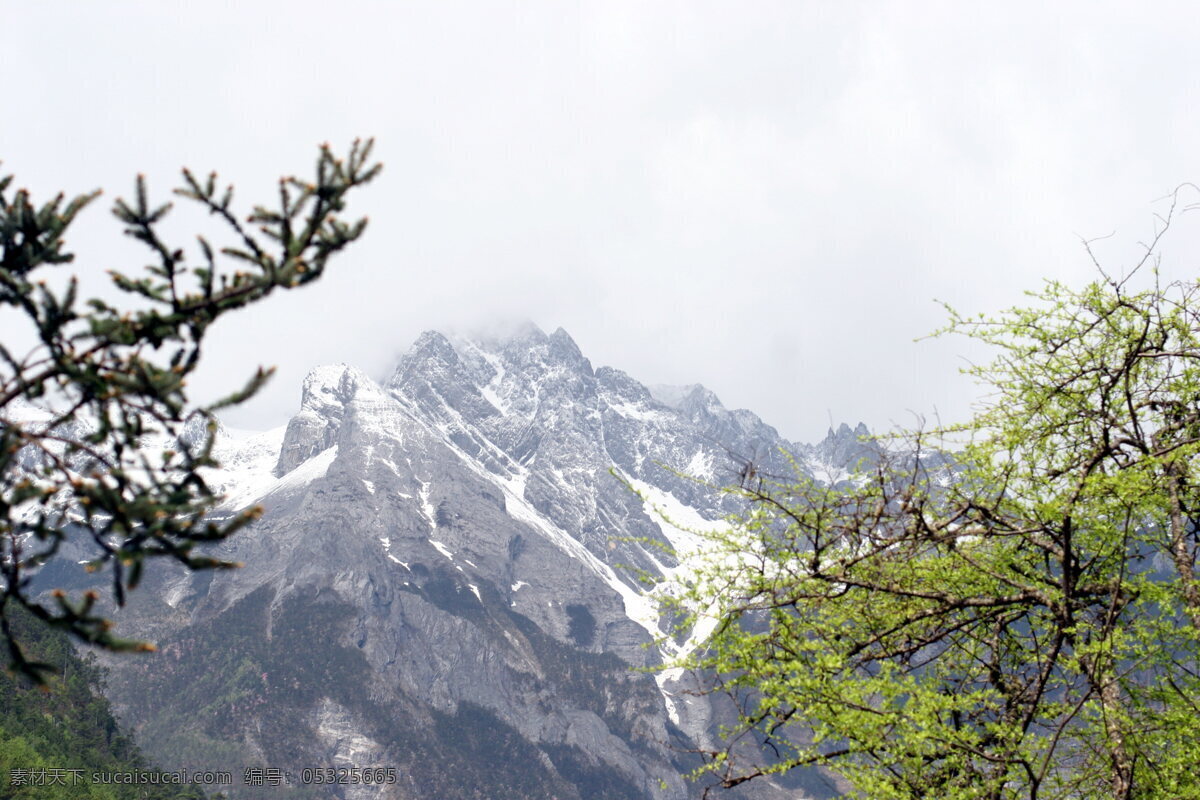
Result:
<point x="762" y="197"/>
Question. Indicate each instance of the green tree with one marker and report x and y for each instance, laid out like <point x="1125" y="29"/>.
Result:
<point x="66" y="724"/>
<point x="115" y="456"/>
<point x="1007" y="608"/>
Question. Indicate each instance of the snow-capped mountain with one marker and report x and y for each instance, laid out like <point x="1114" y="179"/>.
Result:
<point x="446" y="581"/>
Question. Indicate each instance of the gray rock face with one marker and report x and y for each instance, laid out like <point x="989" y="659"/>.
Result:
<point x="445" y="581"/>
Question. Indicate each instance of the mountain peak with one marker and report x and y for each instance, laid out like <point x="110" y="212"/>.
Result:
<point x="327" y="391"/>
<point x="431" y="343"/>
<point x="563" y="347"/>
<point x="700" y="398"/>
<point x="670" y="395"/>
<point x="844" y="449"/>
<point x="499" y="335"/>
<point x="845" y="432"/>
<point x="330" y="380"/>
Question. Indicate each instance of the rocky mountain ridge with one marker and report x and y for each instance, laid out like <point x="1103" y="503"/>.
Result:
<point x="448" y="579"/>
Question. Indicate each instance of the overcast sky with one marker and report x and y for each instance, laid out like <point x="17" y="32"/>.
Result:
<point x="762" y="197"/>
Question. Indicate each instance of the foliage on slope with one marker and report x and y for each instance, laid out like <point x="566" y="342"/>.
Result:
<point x="66" y="726"/>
